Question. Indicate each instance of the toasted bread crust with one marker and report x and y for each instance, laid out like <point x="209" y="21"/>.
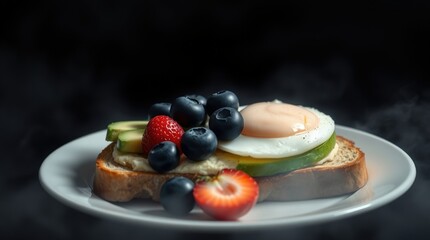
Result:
<point x="116" y="183"/>
<point x="318" y="181"/>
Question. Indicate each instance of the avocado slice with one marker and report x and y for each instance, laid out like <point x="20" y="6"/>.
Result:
<point x="113" y="129"/>
<point x="258" y="167"/>
<point x="130" y="141"/>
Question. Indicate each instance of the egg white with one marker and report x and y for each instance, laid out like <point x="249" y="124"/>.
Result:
<point x="284" y="146"/>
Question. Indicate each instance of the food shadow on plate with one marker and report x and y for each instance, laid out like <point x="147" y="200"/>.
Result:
<point x="147" y="209"/>
<point x="195" y="215"/>
<point x="84" y="175"/>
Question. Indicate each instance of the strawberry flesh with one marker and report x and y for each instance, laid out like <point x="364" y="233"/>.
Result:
<point x="227" y="196"/>
<point x="161" y="128"/>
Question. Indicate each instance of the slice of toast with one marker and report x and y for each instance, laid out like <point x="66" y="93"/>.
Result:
<point x="343" y="174"/>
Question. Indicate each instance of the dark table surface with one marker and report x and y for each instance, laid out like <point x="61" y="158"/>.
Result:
<point x="68" y="69"/>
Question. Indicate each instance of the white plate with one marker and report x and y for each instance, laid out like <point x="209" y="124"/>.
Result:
<point x="67" y="175"/>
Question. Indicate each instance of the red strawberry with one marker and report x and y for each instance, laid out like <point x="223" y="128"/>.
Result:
<point x="227" y="196"/>
<point x="161" y="128"/>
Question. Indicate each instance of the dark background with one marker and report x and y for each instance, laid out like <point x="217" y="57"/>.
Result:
<point x="68" y="68"/>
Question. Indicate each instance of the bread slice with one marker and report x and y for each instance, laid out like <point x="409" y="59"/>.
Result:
<point x="343" y="174"/>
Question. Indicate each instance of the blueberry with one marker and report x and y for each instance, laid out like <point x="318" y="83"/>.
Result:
<point x="198" y="143"/>
<point x="176" y="196"/>
<point x="226" y="123"/>
<point x="187" y="111"/>
<point x="164" y="156"/>
<point x="201" y="99"/>
<point x="221" y="99"/>
<point x="161" y="108"/>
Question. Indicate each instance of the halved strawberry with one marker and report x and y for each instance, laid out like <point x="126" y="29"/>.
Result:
<point x="161" y="128"/>
<point x="227" y="196"/>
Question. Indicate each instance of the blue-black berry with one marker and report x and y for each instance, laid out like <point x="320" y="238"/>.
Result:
<point x="221" y="99"/>
<point x="176" y="196"/>
<point x="187" y="111"/>
<point x="201" y="99"/>
<point x="198" y="143"/>
<point x="164" y="156"/>
<point x="161" y="108"/>
<point x="226" y="123"/>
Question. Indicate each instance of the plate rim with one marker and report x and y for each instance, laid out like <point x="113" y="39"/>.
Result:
<point x="232" y="225"/>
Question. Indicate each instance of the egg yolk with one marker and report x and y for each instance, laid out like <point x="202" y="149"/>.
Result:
<point x="274" y="120"/>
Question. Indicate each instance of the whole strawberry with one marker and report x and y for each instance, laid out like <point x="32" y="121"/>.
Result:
<point x="161" y="128"/>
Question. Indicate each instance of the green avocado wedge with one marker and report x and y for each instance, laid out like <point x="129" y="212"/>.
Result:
<point x="130" y="141"/>
<point x="114" y="128"/>
<point x="258" y="167"/>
